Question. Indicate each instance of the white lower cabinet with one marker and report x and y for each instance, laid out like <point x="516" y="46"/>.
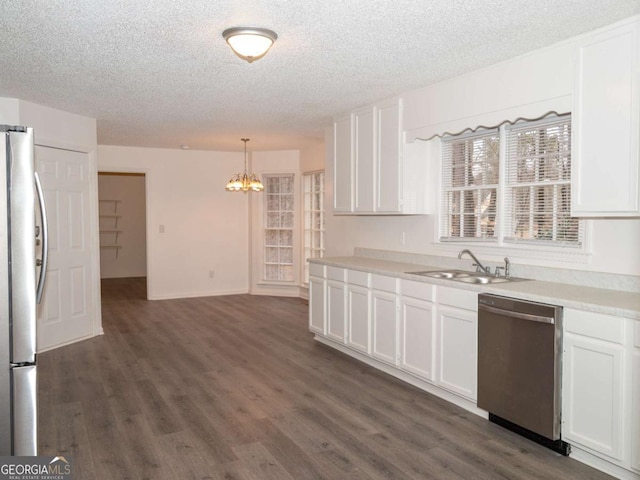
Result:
<point x="592" y="413"/>
<point x="401" y="323"/>
<point x="594" y="407"/>
<point x="635" y="399"/>
<point x="457" y="350"/>
<point x="336" y="310"/>
<point x="417" y="334"/>
<point x="385" y="326"/>
<point x="317" y="323"/>
<point x="358" y="336"/>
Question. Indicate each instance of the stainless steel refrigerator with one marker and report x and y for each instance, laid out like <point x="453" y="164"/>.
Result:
<point x="21" y="285"/>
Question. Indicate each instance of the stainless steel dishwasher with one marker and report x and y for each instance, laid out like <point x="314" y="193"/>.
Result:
<point x="519" y="367"/>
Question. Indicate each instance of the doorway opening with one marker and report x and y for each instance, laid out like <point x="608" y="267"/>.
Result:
<point x="123" y="232"/>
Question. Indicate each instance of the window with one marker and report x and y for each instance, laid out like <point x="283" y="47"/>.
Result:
<point x="313" y="191"/>
<point x="538" y="184"/>
<point x="529" y="203"/>
<point x="278" y="234"/>
<point x="470" y="186"/>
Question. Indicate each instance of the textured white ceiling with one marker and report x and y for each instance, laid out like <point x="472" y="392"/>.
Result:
<point x="158" y="73"/>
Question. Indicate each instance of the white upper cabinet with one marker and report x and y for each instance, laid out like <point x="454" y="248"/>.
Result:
<point x="371" y="175"/>
<point x="343" y="165"/>
<point x="388" y="165"/>
<point x="606" y="124"/>
<point x="365" y="139"/>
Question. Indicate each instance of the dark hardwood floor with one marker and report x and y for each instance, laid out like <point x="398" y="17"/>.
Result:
<point x="234" y="387"/>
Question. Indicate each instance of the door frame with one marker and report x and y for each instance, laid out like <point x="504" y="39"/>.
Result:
<point x="147" y="174"/>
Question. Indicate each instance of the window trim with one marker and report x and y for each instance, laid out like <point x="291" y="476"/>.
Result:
<point x="563" y="254"/>
<point x="441" y="193"/>
<point x="304" y="264"/>
<point x="508" y="187"/>
<point x="263" y="256"/>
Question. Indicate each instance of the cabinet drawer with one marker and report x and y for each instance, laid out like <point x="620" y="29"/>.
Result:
<point x="316" y="270"/>
<point x="420" y="290"/>
<point x="380" y="282"/>
<point x="458" y="298"/>
<point x="594" y="325"/>
<point x="335" y="273"/>
<point x="355" y="277"/>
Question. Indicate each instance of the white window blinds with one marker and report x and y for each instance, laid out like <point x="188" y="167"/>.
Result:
<point x="538" y="184"/>
<point x="470" y="176"/>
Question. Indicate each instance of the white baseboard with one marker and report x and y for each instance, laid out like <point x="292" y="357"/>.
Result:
<point x="216" y="293"/>
<point x="583" y="456"/>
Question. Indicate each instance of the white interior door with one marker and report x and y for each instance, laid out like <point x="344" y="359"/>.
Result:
<point x="66" y="312"/>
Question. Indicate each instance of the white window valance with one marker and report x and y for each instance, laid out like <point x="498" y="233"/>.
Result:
<point x="492" y="120"/>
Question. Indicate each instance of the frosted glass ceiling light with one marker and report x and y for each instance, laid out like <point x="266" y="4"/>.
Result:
<point x="243" y="182"/>
<point x="250" y="43"/>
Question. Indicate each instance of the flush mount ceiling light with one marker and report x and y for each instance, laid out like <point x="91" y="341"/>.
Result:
<point x="250" y="43"/>
<point x="243" y="182"/>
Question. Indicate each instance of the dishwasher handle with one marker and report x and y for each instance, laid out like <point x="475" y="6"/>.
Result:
<point x="519" y="315"/>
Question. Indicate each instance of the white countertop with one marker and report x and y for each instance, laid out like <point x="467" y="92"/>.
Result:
<point x="611" y="302"/>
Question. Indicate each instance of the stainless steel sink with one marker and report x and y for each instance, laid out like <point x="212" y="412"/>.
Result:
<point x="483" y="279"/>
<point x="466" y="277"/>
<point x="449" y="274"/>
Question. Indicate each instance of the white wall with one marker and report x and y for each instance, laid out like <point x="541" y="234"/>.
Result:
<point x="123" y="195"/>
<point x="468" y="101"/>
<point x="312" y="158"/>
<point x="51" y="127"/>
<point x="204" y="227"/>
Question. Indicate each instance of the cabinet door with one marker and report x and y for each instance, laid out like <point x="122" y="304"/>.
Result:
<point x="358" y="325"/>
<point x="606" y="125"/>
<point x="364" y="164"/>
<point x="343" y="164"/>
<point x="457" y="350"/>
<point x="592" y="397"/>
<point x="336" y="311"/>
<point x="388" y="159"/>
<point x="417" y="334"/>
<point x="316" y="306"/>
<point x="635" y="400"/>
<point x="385" y="326"/>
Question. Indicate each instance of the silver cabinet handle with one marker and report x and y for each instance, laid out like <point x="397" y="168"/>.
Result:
<point x="45" y="240"/>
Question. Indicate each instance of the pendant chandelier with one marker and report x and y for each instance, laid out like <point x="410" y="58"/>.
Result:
<point x="243" y="182"/>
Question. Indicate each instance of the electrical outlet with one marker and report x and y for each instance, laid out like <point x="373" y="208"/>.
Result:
<point x="212" y="273"/>
<point x="161" y="229"/>
<point x="404" y="238"/>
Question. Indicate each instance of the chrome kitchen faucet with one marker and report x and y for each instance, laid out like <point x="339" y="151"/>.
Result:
<point x="478" y="264"/>
<point x="487" y="270"/>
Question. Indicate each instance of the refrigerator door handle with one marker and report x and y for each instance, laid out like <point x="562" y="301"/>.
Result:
<point x="45" y="240"/>
<point x="24" y="391"/>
